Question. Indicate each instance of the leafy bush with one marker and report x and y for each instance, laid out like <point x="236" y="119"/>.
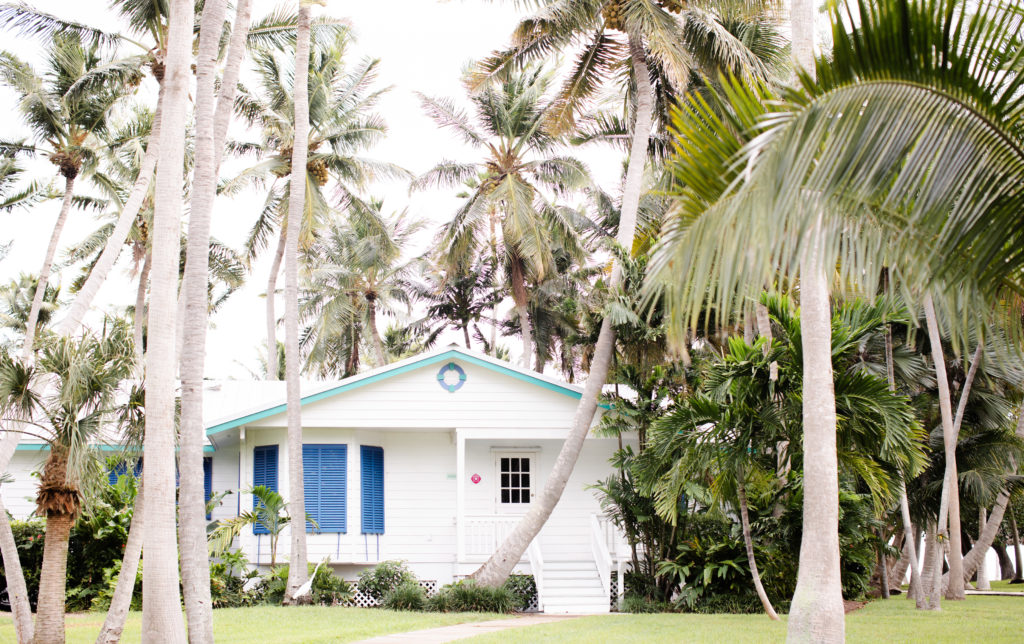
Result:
<point x="101" y="600"/>
<point x="407" y="596"/>
<point x="327" y="588"/>
<point x="466" y="596"/>
<point x="633" y="603"/>
<point x="523" y="589"/>
<point x="384" y="578"/>
<point x="228" y="578"/>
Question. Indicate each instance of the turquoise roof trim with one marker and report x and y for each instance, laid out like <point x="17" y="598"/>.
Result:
<point x="41" y="447"/>
<point x="384" y="375"/>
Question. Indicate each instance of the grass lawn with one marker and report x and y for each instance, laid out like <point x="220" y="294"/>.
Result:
<point x="979" y="619"/>
<point x="1006" y="586"/>
<point x="295" y="625"/>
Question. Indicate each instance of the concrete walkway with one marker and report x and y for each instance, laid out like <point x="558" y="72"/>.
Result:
<point x="997" y="593"/>
<point x="462" y="631"/>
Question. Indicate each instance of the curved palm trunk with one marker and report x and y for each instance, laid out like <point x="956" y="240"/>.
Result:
<point x="1017" y="578"/>
<point x="816" y="614"/>
<point x="44" y="271"/>
<point x="497" y="568"/>
<point x="275" y="269"/>
<point x="139" y="323"/>
<point x="52" y="580"/>
<point x="988" y="534"/>
<point x="161" y="599"/>
<point x="949" y="507"/>
<point x="17" y="592"/>
<point x="748" y="541"/>
<point x="297" y="572"/>
<point x="520" y="297"/>
<point x="98" y="275"/>
<point x="121" y="601"/>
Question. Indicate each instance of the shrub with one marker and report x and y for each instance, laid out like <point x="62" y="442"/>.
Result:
<point x="384" y="578"/>
<point x="523" y="589"/>
<point x="228" y="579"/>
<point x="407" y="596"/>
<point x="329" y="589"/>
<point x="633" y="603"/>
<point x="466" y="596"/>
<point x="102" y="598"/>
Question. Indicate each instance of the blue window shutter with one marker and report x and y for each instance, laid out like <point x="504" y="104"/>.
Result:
<point x="264" y="472"/>
<point x="122" y="468"/>
<point x="372" y="470"/>
<point x="207" y="481"/>
<point x="324" y="476"/>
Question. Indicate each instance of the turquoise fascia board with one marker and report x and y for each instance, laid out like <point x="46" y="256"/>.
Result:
<point x="40" y="447"/>
<point x="425" y="362"/>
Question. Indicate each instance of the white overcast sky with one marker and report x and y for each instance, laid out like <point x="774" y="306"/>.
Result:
<point x="423" y="46"/>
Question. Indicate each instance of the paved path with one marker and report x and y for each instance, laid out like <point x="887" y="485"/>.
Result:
<point x="998" y="593"/>
<point x="462" y="631"/>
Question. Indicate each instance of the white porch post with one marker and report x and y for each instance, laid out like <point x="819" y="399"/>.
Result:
<point x="460" y="496"/>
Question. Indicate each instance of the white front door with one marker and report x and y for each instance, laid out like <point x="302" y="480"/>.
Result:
<point x="514" y="475"/>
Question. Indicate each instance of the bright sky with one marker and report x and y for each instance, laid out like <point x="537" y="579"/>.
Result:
<point x="423" y="46"/>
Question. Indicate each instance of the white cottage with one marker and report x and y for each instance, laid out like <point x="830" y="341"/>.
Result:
<point x="430" y="460"/>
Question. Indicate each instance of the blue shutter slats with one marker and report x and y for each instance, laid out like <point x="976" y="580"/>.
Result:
<point x="324" y="476"/>
<point x="207" y="481"/>
<point x="122" y="468"/>
<point x="264" y="472"/>
<point x="372" y="470"/>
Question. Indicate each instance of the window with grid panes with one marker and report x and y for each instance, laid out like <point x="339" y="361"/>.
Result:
<point x="515" y="479"/>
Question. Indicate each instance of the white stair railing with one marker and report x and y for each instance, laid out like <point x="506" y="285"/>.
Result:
<point x="537" y="568"/>
<point x="602" y="557"/>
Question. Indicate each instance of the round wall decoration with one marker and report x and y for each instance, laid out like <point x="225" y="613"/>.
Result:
<point x="475" y="478"/>
<point x="451" y="377"/>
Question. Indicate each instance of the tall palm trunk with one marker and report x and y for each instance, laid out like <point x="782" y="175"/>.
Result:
<point x="212" y="120"/>
<point x="17" y="592"/>
<point x="52" y="579"/>
<point x="44" y="271"/>
<point x="748" y="541"/>
<point x="275" y="270"/>
<point x="378" y="346"/>
<point x="520" y="297"/>
<point x="465" y="334"/>
<point x="115" y="243"/>
<point x="161" y="599"/>
<point x="139" y="323"/>
<point x="121" y="601"/>
<point x="949" y="507"/>
<point x="297" y="572"/>
<point x="928" y="572"/>
<point x="816" y="614"/>
<point x="914" y="589"/>
<point x="496" y="569"/>
<point x="983" y="583"/>
<point x="1018" y="575"/>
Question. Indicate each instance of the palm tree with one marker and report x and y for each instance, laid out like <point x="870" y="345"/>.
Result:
<point x="161" y="606"/>
<point x="297" y="573"/>
<point x="271" y="513"/>
<point x="645" y="38"/>
<point x="455" y="299"/>
<point x="508" y="201"/>
<point x="69" y="395"/>
<point x="356" y="273"/>
<point x="865" y="69"/>
<point x="213" y="112"/>
<point x="67" y="123"/>
<point x="341" y="128"/>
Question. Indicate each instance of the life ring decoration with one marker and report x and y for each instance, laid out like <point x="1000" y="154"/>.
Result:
<point x="446" y="381"/>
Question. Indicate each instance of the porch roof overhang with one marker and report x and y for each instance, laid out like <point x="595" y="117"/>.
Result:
<point x="329" y="390"/>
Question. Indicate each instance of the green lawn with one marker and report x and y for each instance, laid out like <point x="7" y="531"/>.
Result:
<point x="1007" y="586"/>
<point x="979" y="619"/>
<point x="296" y="625"/>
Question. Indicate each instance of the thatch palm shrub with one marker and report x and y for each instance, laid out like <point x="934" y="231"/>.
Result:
<point x="911" y="128"/>
<point x="69" y="397"/>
